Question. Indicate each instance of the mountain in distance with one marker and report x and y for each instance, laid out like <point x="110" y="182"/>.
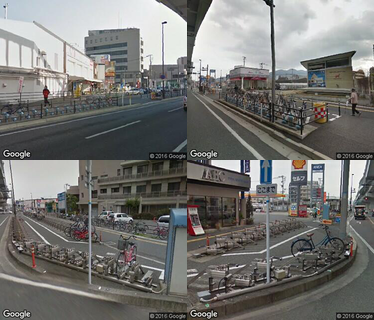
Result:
<point x="289" y="72"/>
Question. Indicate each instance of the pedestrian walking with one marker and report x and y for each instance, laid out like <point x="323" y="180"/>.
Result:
<point x="354" y="100"/>
<point x="45" y="94"/>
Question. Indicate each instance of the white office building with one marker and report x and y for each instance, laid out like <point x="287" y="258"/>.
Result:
<point x="125" y="47"/>
<point x="34" y="53"/>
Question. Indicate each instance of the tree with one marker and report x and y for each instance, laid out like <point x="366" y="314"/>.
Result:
<point x="72" y="203"/>
<point x="132" y="204"/>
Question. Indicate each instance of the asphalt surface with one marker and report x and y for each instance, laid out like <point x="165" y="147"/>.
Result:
<point x="157" y="126"/>
<point x="210" y="127"/>
<point x="150" y="254"/>
<point x="45" y="298"/>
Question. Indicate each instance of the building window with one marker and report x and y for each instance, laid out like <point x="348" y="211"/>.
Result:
<point x="157" y="166"/>
<point x="82" y="177"/>
<point x="127" y="171"/>
<point x="101" y="40"/>
<point x="111" y="38"/>
<point x="95" y="40"/>
<point x="118" y="172"/>
<point x="115" y="190"/>
<point x="94" y="194"/>
<point x="116" y="37"/>
<point x="82" y="195"/>
<point x="130" y="75"/>
<point x="106" y="39"/>
<point x="103" y="190"/>
<point x="90" y="41"/>
<point x="174" y="186"/>
<point x="104" y="176"/>
<point x="127" y="190"/>
<point x="140" y="189"/>
<point x="176" y="164"/>
<point x="94" y="178"/>
<point x="156" y="187"/>
<point x="142" y="169"/>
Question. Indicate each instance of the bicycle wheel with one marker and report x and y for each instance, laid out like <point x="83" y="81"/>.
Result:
<point x="163" y="234"/>
<point x="67" y="231"/>
<point x="300" y="245"/>
<point x="337" y="244"/>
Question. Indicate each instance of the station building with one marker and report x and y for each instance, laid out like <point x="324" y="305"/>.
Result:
<point x="216" y="193"/>
<point x="249" y="78"/>
<point x="330" y="72"/>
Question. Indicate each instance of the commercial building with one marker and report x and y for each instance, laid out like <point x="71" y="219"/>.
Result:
<point x="216" y="193"/>
<point x="158" y="185"/>
<point x="31" y="56"/>
<point x="304" y="192"/>
<point x="175" y="74"/>
<point x="125" y="47"/>
<point x="248" y="78"/>
<point x="3" y="187"/>
<point x="330" y="72"/>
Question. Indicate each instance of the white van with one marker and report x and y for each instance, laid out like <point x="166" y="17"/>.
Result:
<point x="163" y="221"/>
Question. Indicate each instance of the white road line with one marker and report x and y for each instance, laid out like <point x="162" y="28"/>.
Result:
<point x="192" y="275"/>
<point x="162" y="275"/>
<point x="175" y="109"/>
<point x="363" y="240"/>
<point x="152" y="268"/>
<point x="3" y="221"/>
<point x="181" y="146"/>
<point x="38" y="233"/>
<point x="51" y="287"/>
<point x="240" y="139"/>
<point x="192" y="271"/>
<point x="57" y="235"/>
<point x="114" y="129"/>
<point x="272" y="247"/>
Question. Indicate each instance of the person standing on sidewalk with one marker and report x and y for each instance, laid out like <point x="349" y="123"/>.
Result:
<point x="354" y="100"/>
<point x="45" y="94"/>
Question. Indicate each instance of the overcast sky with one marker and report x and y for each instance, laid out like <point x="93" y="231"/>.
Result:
<point x="71" y="20"/>
<point x="42" y="178"/>
<point x="304" y="30"/>
<point x="283" y="167"/>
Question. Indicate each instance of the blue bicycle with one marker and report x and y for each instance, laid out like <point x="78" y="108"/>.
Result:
<point x="307" y="245"/>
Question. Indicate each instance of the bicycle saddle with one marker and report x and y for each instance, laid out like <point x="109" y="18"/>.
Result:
<point x="310" y="234"/>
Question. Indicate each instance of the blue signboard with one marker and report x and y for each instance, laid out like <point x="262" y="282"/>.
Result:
<point x="316" y="78"/>
<point x="266" y="167"/>
<point x="247" y="167"/>
<point x="318" y="167"/>
<point x="61" y="196"/>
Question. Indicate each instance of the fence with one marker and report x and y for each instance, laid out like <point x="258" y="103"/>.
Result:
<point x="292" y="112"/>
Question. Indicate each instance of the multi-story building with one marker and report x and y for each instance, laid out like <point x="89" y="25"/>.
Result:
<point x="175" y="74"/>
<point x="156" y="184"/>
<point x="304" y="192"/>
<point x="125" y="47"/>
<point x="3" y="187"/>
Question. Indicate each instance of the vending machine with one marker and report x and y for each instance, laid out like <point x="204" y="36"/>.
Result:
<point x="194" y="227"/>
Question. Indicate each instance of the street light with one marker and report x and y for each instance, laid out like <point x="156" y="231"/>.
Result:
<point x="351" y="190"/>
<point x="163" y="51"/>
<point x="66" y="185"/>
<point x="270" y="3"/>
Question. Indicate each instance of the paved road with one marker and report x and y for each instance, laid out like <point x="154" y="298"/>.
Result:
<point x="151" y="254"/>
<point x="351" y="292"/>
<point x="126" y="134"/>
<point x="213" y="127"/>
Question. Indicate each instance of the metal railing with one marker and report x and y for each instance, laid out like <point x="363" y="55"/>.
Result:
<point x="142" y="195"/>
<point x="151" y="174"/>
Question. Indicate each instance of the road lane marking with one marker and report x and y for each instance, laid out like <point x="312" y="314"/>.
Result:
<point x="367" y="216"/>
<point x="38" y="233"/>
<point x="272" y="247"/>
<point x="152" y="268"/>
<point x="57" y="235"/>
<point x="363" y="240"/>
<point x="234" y="133"/>
<point x="3" y="221"/>
<point x="51" y="287"/>
<point x="181" y="146"/>
<point x="175" y="109"/>
<point x="114" y="129"/>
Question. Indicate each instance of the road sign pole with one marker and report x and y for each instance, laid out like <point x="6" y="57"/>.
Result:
<point x="89" y="162"/>
<point x="267" y="241"/>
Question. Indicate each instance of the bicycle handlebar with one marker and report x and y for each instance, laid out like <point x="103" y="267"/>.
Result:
<point x="131" y="236"/>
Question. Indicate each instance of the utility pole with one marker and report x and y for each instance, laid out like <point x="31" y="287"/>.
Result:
<point x="344" y="199"/>
<point x="13" y="195"/>
<point x="163" y="62"/>
<point x="89" y="165"/>
<point x="220" y="80"/>
<point x="270" y="3"/>
<point x="200" y="77"/>
<point x="6" y="11"/>
<point x="244" y="61"/>
<point x="351" y="203"/>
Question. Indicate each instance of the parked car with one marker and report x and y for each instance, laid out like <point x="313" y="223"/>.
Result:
<point x="122" y="217"/>
<point x="163" y="221"/>
<point x="105" y="215"/>
<point x="2" y="211"/>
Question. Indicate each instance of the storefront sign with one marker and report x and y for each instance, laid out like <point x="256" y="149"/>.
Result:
<point x="303" y="211"/>
<point x="299" y="178"/>
<point x="318" y="167"/>
<point x="316" y="78"/>
<point x="299" y="165"/>
<point x="196" y="171"/>
<point x="293" y="210"/>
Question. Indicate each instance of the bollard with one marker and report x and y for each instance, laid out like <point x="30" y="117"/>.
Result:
<point x="339" y="108"/>
<point x="33" y="257"/>
<point x="207" y="240"/>
<point x="100" y="236"/>
<point x="41" y="111"/>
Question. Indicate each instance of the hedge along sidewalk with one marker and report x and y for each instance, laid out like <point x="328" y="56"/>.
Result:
<point x="75" y="116"/>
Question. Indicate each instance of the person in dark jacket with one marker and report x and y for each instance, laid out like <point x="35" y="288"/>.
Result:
<point x="45" y="94"/>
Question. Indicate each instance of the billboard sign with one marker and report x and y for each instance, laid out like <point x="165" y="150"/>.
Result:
<point x="61" y="200"/>
<point x="101" y="58"/>
<point x="299" y="165"/>
<point x="299" y="178"/>
<point x="316" y="78"/>
<point x="318" y="167"/>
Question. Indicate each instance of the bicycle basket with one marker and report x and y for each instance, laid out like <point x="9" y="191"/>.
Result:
<point x="122" y="244"/>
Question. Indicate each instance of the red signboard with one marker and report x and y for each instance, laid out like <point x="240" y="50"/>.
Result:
<point x="303" y="211"/>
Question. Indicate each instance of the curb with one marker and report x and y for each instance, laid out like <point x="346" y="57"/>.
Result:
<point x="311" y="153"/>
<point x="277" y="292"/>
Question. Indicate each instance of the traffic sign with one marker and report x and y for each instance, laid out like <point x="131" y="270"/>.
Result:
<point x="162" y="76"/>
<point x="266" y="167"/>
<point x="266" y="189"/>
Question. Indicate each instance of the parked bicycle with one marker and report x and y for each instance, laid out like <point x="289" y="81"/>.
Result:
<point x="127" y="256"/>
<point x="307" y="245"/>
<point x="138" y="227"/>
<point x="161" y="232"/>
